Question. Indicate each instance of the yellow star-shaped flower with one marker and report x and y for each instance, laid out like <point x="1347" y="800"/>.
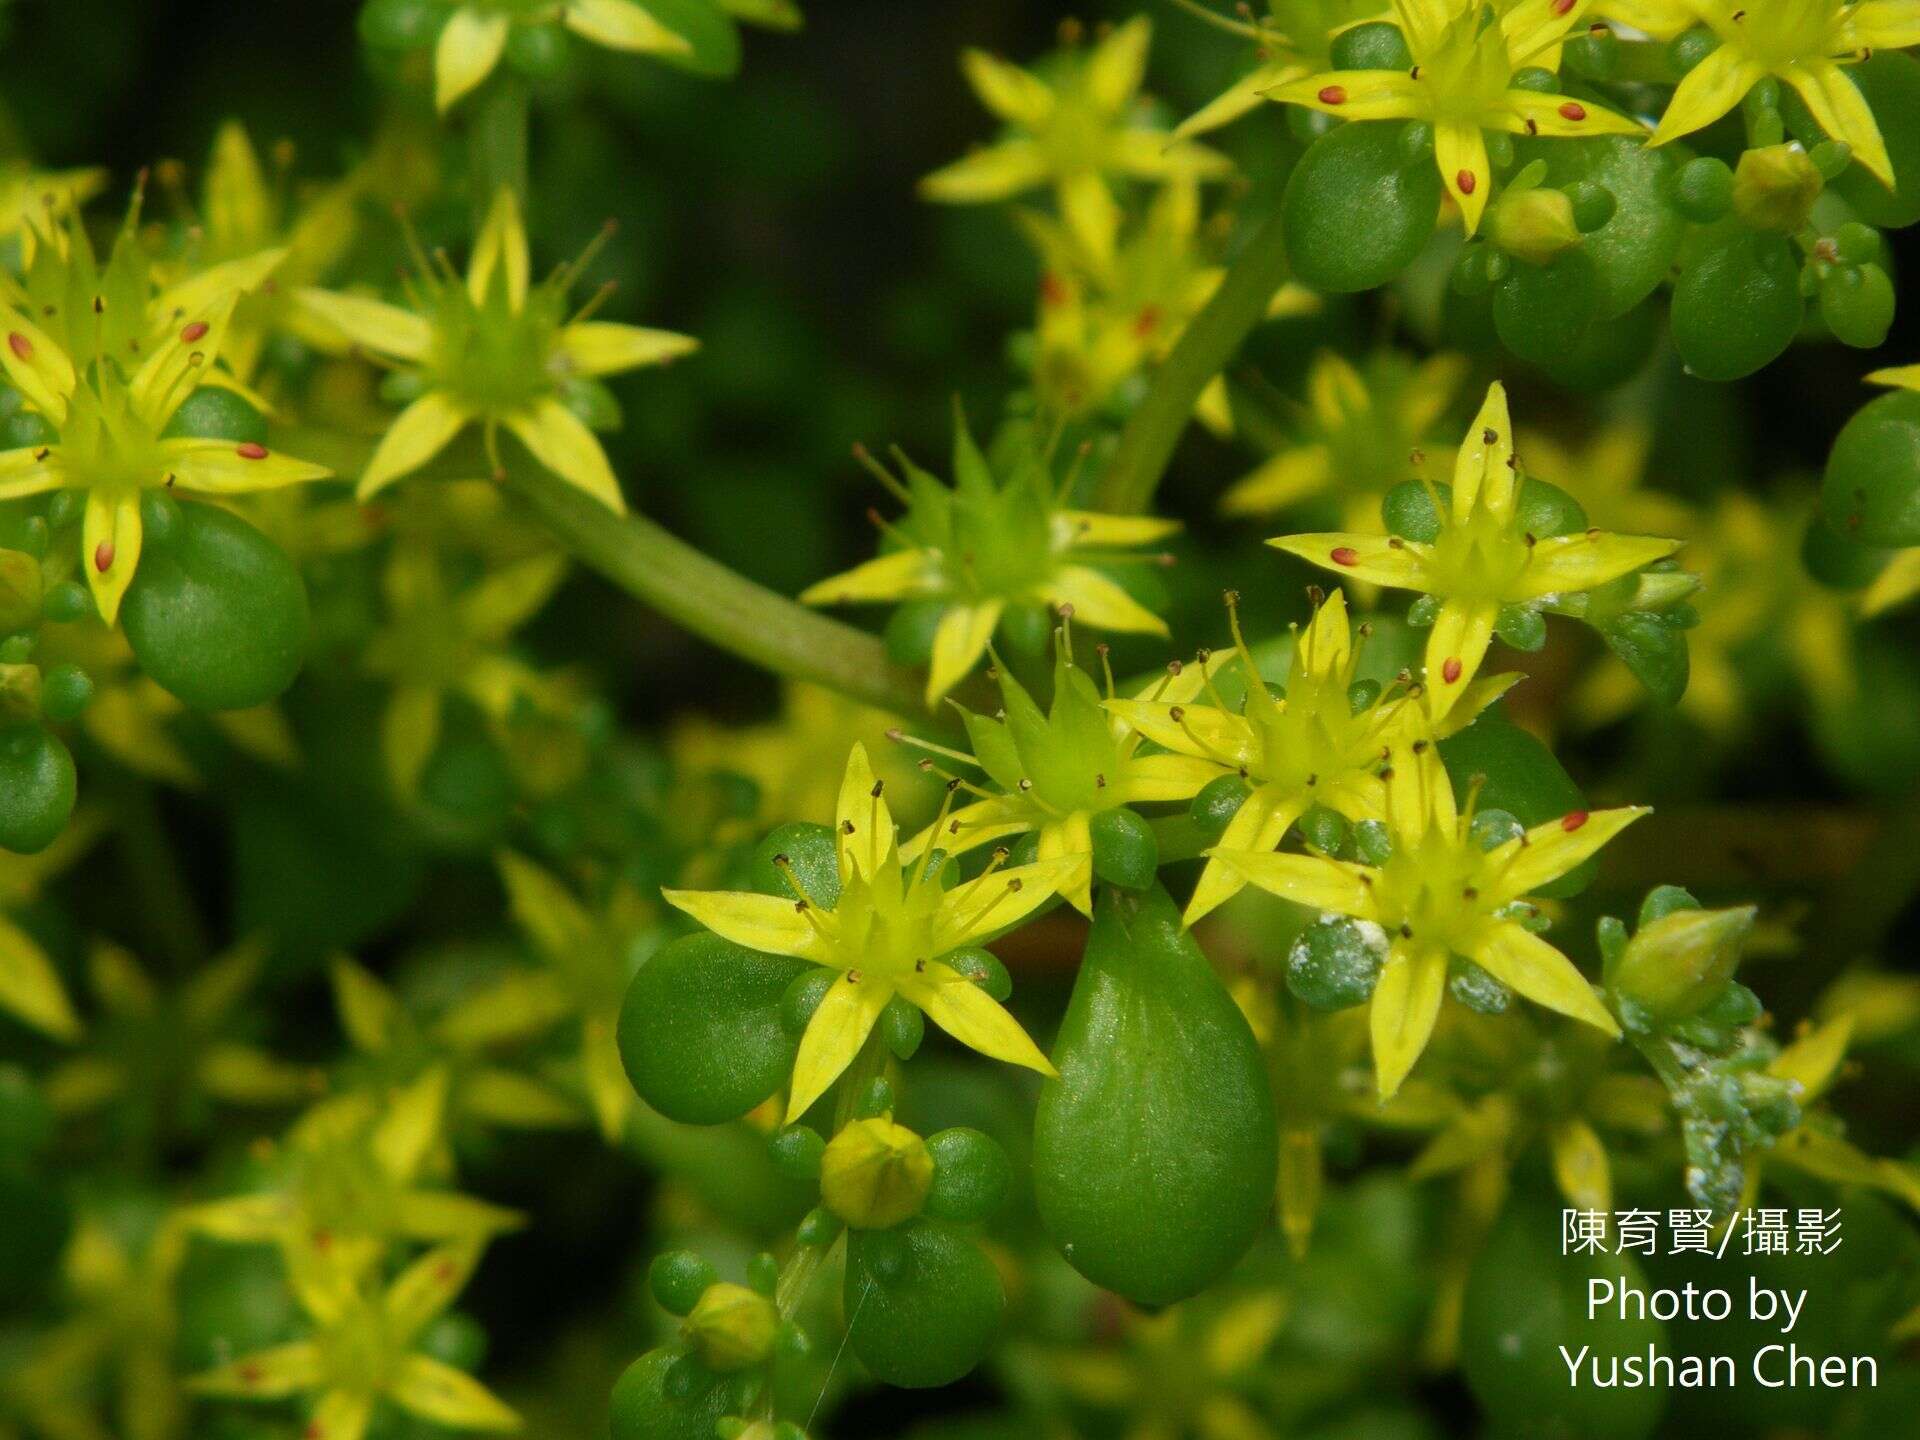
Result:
<point x="495" y="351"/>
<point x="1438" y="896"/>
<point x="1077" y="131"/>
<point x="475" y="36"/>
<point x="1801" y="43"/>
<point x="888" y="935"/>
<point x="1462" y="83"/>
<point x="1312" y="748"/>
<point x="1482" y="558"/>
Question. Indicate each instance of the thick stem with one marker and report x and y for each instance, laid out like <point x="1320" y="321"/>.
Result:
<point x="497" y="141"/>
<point x="717" y="604"/>
<point x="1204" y="349"/>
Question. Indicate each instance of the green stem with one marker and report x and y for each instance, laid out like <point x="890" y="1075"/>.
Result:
<point x="717" y="604"/>
<point x="159" y="885"/>
<point x="497" y="141"/>
<point x="1204" y="349"/>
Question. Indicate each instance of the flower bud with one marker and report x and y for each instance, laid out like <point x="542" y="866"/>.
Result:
<point x="733" y="1327"/>
<point x="1774" y="188"/>
<point x="1679" y="963"/>
<point x="1535" y="225"/>
<point x="19" y="691"/>
<point x="875" y="1174"/>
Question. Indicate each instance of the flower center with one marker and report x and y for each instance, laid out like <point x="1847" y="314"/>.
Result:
<point x="105" y="444"/>
<point x="1427" y="891"/>
<point x="1781" y="32"/>
<point x="491" y="357"/>
<point x="1478" y="559"/>
<point x="1468" y="72"/>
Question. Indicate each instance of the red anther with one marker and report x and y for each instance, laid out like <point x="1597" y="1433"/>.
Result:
<point x="1450" y="671"/>
<point x="1561" y="7"/>
<point x="1344" y="555"/>
<point x="20" y="345"/>
<point x="1573" y="820"/>
<point x="1573" y="110"/>
<point x="1467" y="181"/>
<point x="194" y="331"/>
<point x="103" y="556"/>
<point x="1333" y="95"/>
<point x="251" y="450"/>
<point x="1053" y="290"/>
<point x="1147" y="321"/>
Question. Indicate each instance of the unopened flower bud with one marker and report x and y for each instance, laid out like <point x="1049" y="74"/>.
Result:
<point x="875" y="1174"/>
<point x="732" y="1327"/>
<point x="1678" y="964"/>
<point x="1774" y="188"/>
<point x="1535" y="225"/>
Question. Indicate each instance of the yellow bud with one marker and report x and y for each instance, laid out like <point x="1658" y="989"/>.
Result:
<point x="875" y="1174"/>
<point x="1535" y="225"/>
<point x="19" y="590"/>
<point x="732" y="1327"/>
<point x="1678" y="963"/>
<point x="19" y="691"/>
<point x="1774" y="188"/>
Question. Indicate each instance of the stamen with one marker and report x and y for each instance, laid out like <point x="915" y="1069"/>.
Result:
<point x="873" y="467"/>
<point x="901" y="737"/>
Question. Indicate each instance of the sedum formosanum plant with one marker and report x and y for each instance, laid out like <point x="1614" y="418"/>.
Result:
<point x="1244" y="902"/>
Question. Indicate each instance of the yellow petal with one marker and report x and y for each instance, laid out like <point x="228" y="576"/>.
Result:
<point x="36" y="365"/>
<point x="245" y="1075"/>
<point x="605" y="1076"/>
<point x="863" y="824"/>
<point x="1355" y="94"/>
<point x="242" y="1219"/>
<point x="1244" y="95"/>
<point x="1455" y="647"/>
<point x="435" y="1391"/>
<point x="197" y="292"/>
<point x="409" y="734"/>
<point x="900" y="575"/>
<point x="340" y="1415"/>
<point x="516" y="1007"/>
<point x="1379" y="559"/>
<point x="265" y="1374"/>
<point x="237" y="204"/>
<point x="110" y="538"/>
<point x="1152" y="155"/>
<point x="1580" y="1166"/>
<point x="1257" y="827"/>
<point x="418" y="433"/>
<point x="1202" y="732"/>
<point x="973" y="1017"/>
<point x="1154" y="779"/>
<point x="1288" y="478"/>
<point x="1842" y="112"/>
<point x="410" y="1125"/>
<point x="759" y="922"/>
<point x="220" y="467"/>
<point x="502" y="245"/>
<point x="1071" y="839"/>
<point x="386" y="329"/>
<point x="958" y="643"/>
<point x="427" y="1287"/>
<point x="499" y="1097"/>
<point x="604" y="347"/>
<point x="561" y="441"/>
<point x="1116" y="65"/>
<point x="1406" y="1003"/>
<point x="1566" y="563"/>
<point x="1548" y="851"/>
<point x="1529" y="966"/>
<point x="31" y="471"/>
<point x="30" y="987"/>
<point x="438" y="1216"/>
<point x="1323" y="647"/>
<point x="368" y="1010"/>
<point x="975" y="909"/>
<point x="1879" y="25"/>
<point x="994" y="172"/>
<point x="839" y="1027"/>
<point x="1814" y="1059"/>
<point x="1077" y="529"/>
<point x="1708" y="91"/>
<point x="469" y="47"/>
<point x="1100" y="602"/>
<point x="1461" y="152"/>
<point x="622" y="25"/>
<point x="1091" y="214"/>
<point x="1528" y="112"/>
<point x="1484" y="476"/>
<point x="1332" y="886"/>
<point x="558" y="924"/>
<point x="1011" y="93"/>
